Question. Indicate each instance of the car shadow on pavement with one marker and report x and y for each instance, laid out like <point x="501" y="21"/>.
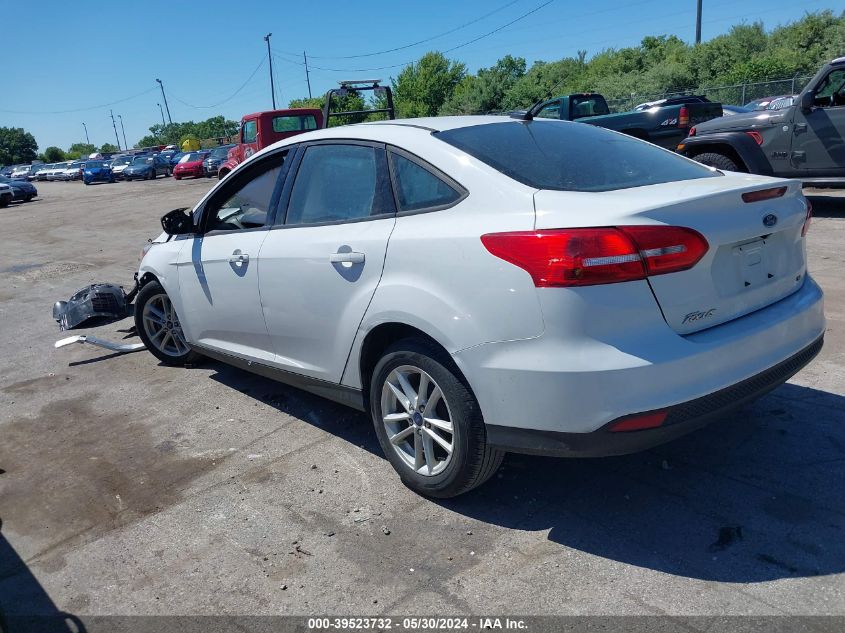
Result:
<point x="24" y="605"/>
<point x="343" y="422"/>
<point x="826" y="205"/>
<point x="755" y="497"/>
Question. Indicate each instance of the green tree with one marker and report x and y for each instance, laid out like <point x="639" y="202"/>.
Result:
<point x="172" y="134"/>
<point x="422" y="88"/>
<point x="485" y="91"/>
<point x="80" y="150"/>
<point x="352" y="101"/>
<point x="54" y="154"/>
<point x="108" y="148"/>
<point x="17" y="146"/>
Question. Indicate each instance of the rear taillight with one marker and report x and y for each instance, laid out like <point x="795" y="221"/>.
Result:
<point x="763" y="194"/>
<point x="807" y="219"/>
<point x="587" y="257"/>
<point x="683" y="117"/>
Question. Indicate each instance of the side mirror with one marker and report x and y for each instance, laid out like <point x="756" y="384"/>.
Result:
<point x="178" y="222"/>
<point x="808" y="100"/>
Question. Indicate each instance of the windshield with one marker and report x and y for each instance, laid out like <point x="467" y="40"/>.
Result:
<point x="189" y="158"/>
<point x="566" y="156"/>
<point x="142" y="160"/>
<point x="95" y="164"/>
<point x="220" y="152"/>
<point x="123" y="160"/>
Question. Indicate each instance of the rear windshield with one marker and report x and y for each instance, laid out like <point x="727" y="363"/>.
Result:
<point x="142" y="160"/>
<point x="566" y="156"/>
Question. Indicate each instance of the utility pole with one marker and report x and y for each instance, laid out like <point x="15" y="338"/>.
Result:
<point x="122" y="129"/>
<point x="163" y="122"/>
<point x="270" y="57"/>
<point x="307" y="77"/>
<point x="87" y="140"/>
<point x="163" y="96"/>
<point x="114" y="125"/>
<point x="698" y="23"/>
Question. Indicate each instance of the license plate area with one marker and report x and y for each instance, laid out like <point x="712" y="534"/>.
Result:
<point x="752" y="264"/>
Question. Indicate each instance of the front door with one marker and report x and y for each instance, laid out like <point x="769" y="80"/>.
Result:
<point x="818" y="141"/>
<point x="321" y="263"/>
<point x="218" y="271"/>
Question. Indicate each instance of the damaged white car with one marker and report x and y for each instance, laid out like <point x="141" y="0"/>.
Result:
<point x="484" y="284"/>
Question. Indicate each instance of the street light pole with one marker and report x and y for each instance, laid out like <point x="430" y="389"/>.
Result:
<point x="114" y="125"/>
<point x="163" y="96"/>
<point x="122" y="129"/>
<point x="307" y="76"/>
<point x="87" y="140"/>
<point x="163" y="122"/>
<point x="698" y="23"/>
<point x="270" y="57"/>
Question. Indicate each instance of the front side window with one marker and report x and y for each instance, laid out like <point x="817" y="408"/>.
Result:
<point x="246" y="202"/>
<point x="339" y="183"/>
<point x="417" y="188"/>
<point x="551" y="111"/>
<point x="831" y="92"/>
<point x="250" y="131"/>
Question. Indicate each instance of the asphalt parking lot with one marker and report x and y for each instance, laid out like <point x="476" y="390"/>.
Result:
<point x="127" y="487"/>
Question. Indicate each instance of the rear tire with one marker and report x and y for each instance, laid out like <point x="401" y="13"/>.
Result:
<point x="433" y="409"/>
<point x="719" y="161"/>
<point x="158" y="326"/>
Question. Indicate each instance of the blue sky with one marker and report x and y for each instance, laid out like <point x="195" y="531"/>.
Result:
<point x="77" y="56"/>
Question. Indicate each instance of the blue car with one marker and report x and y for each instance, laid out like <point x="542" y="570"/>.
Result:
<point x="97" y="171"/>
<point x="21" y="189"/>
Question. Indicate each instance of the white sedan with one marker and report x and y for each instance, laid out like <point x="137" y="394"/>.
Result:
<point x="484" y="284"/>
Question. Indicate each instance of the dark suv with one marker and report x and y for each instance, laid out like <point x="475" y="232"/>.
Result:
<point x="802" y="140"/>
<point x="147" y="167"/>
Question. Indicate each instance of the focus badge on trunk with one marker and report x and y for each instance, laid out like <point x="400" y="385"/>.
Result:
<point x="770" y="220"/>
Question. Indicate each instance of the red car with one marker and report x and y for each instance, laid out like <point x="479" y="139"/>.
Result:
<point x="190" y="165"/>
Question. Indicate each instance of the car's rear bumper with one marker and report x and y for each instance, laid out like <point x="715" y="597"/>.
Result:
<point x="603" y="357"/>
<point x="681" y="418"/>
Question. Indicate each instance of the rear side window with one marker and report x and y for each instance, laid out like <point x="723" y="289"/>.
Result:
<point x="417" y="188"/>
<point x="339" y="183"/>
<point x="566" y="156"/>
<point x="296" y="123"/>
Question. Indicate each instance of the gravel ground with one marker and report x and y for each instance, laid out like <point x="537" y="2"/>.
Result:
<point x="127" y="487"/>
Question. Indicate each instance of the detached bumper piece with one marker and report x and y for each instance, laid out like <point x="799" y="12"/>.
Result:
<point x="640" y="431"/>
<point x="98" y="300"/>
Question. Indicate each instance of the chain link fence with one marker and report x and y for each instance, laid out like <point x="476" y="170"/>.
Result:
<point x="737" y="94"/>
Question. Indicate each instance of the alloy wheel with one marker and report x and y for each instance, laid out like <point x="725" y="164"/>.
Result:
<point x="162" y="326"/>
<point x="417" y="419"/>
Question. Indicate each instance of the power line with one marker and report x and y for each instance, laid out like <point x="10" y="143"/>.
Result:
<point x="230" y="97"/>
<point x="448" y="50"/>
<point x="96" y="107"/>
<point x="418" y="42"/>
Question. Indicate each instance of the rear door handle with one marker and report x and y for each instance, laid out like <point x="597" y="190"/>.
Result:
<point x="239" y="258"/>
<point x="342" y="258"/>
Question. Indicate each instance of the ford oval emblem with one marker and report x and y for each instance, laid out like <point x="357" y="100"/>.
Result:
<point x="770" y="220"/>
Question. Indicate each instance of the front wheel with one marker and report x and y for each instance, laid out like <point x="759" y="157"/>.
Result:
<point x="428" y="422"/>
<point x="719" y="161"/>
<point x="159" y="328"/>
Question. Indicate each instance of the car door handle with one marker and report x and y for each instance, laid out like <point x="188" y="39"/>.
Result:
<point x="239" y="258"/>
<point x="343" y="258"/>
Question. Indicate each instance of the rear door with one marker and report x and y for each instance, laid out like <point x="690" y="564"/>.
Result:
<point x="322" y="261"/>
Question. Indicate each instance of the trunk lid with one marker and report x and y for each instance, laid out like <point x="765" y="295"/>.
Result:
<point x="750" y="263"/>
